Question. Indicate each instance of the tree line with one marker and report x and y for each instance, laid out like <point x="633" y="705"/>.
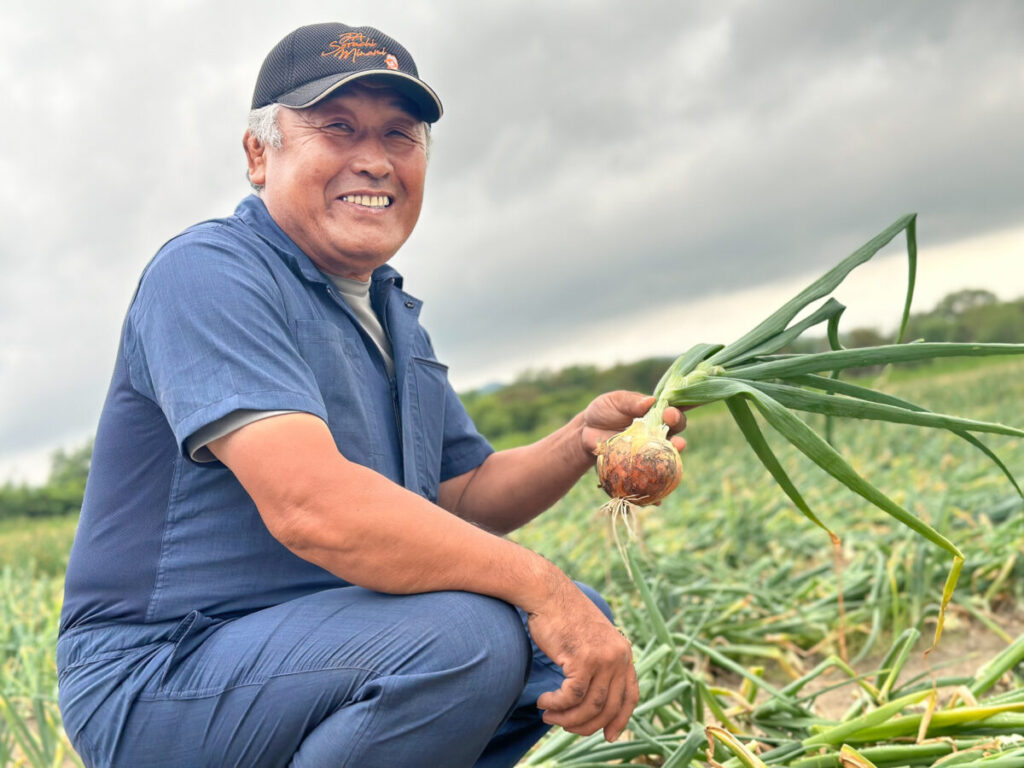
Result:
<point x="539" y="401"/>
<point x="61" y="494"/>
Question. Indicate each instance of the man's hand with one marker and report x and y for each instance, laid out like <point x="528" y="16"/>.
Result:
<point x="600" y="688"/>
<point x="612" y="412"/>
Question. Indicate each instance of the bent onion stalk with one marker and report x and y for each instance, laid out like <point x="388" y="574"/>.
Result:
<point x="754" y="376"/>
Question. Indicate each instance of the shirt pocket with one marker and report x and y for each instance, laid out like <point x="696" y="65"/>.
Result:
<point x="428" y="387"/>
<point x="341" y="375"/>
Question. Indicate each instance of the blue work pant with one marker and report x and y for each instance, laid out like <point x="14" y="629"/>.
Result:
<point x="343" y="677"/>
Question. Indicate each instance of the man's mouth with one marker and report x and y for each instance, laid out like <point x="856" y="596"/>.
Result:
<point x="368" y="201"/>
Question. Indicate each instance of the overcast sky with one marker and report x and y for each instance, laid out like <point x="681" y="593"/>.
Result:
<point x="610" y="180"/>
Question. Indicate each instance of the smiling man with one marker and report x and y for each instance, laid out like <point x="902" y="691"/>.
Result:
<point x="291" y="551"/>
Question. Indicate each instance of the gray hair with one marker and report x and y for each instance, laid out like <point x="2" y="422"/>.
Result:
<point x="263" y="125"/>
<point x="265" y="128"/>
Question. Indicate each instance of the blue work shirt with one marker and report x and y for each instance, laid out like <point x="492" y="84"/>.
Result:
<point x="230" y="315"/>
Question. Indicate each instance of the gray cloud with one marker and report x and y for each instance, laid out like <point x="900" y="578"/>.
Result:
<point x="792" y="137"/>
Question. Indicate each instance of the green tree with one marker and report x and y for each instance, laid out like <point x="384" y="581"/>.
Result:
<point x="71" y="468"/>
<point x="61" y="494"/>
<point x="957" y="303"/>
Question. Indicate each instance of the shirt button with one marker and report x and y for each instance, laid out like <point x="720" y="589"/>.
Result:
<point x="410" y="305"/>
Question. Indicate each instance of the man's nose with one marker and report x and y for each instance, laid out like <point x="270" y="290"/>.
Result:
<point x="371" y="158"/>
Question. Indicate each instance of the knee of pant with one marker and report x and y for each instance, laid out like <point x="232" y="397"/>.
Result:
<point x="485" y="632"/>
<point x="596" y="599"/>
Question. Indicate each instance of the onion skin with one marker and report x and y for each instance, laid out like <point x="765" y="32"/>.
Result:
<point x="639" y="466"/>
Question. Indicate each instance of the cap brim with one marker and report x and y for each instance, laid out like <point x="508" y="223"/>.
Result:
<point x="416" y="90"/>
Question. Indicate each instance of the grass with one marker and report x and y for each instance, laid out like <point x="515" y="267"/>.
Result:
<point x="33" y="557"/>
<point x="39" y="545"/>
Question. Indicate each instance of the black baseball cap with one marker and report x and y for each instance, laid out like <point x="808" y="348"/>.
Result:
<point x="314" y="61"/>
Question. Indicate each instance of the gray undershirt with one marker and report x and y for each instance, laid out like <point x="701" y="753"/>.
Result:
<point x="356" y="294"/>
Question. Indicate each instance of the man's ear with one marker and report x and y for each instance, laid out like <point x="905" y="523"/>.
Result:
<point x="255" y="154"/>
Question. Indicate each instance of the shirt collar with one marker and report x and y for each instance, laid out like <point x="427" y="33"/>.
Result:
<point x="253" y="212"/>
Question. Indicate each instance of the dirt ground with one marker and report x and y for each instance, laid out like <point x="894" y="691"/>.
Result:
<point x="965" y="646"/>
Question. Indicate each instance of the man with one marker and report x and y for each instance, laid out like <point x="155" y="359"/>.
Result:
<point x="290" y="549"/>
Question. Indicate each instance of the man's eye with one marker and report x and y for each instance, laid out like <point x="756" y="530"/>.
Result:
<point x="345" y="127"/>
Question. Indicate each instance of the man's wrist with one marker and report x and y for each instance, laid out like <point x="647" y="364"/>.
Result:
<point x="577" y="453"/>
<point x="543" y="584"/>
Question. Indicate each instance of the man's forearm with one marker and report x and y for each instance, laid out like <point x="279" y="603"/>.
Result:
<point x="378" y="535"/>
<point x="513" y="486"/>
<point x="367" y="530"/>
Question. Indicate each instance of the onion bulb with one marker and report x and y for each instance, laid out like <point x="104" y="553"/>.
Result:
<point x="639" y="465"/>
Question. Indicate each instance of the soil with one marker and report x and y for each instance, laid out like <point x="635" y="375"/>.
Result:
<point x="963" y="649"/>
<point x="965" y="646"/>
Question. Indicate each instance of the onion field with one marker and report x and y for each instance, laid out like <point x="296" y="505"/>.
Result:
<point x="757" y="642"/>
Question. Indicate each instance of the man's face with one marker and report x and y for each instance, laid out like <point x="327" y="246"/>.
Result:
<point x="347" y="182"/>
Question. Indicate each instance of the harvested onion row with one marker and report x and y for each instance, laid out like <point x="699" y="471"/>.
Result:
<point x="633" y="466"/>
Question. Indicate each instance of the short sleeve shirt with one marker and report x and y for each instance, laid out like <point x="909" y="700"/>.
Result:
<point x="232" y="315"/>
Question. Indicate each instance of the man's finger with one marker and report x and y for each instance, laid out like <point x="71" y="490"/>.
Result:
<point x="675" y="419"/>
<point x="571" y="694"/>
<point x="592" y="709"/>
<point x="630" y="698"/>
<point x="641" y="405"/>
<point x="622" y="402"/>
<point x="602" y="707"/>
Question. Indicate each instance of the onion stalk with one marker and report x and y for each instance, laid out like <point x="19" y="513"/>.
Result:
<point x="755" y="377"/>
